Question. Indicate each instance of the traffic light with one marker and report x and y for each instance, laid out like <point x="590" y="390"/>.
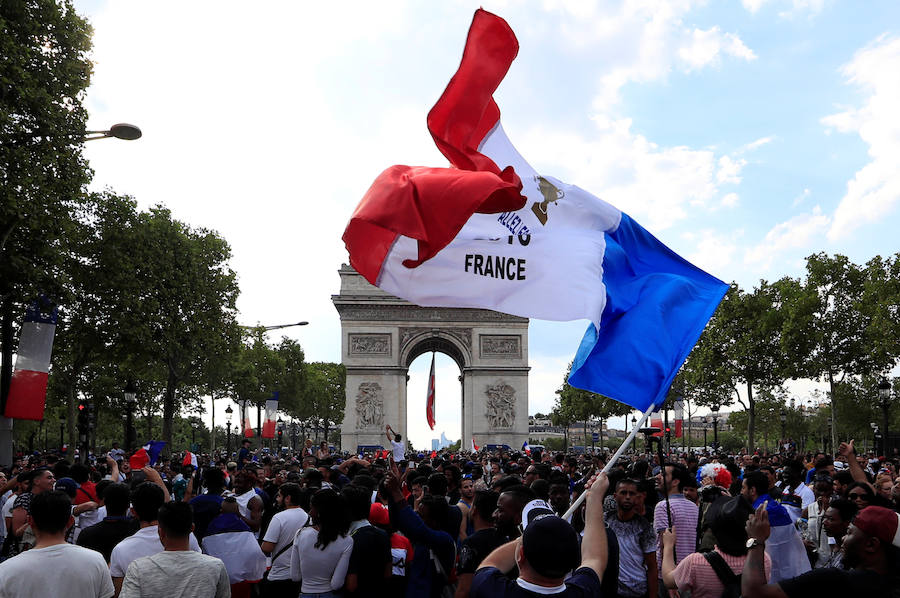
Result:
<point x="83" y="417"/>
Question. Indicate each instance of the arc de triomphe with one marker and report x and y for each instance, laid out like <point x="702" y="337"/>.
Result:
<point x="381" y="335"/>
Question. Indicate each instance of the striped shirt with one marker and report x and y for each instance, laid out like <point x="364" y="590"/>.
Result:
<point x="694" y="573"/>
<point x="684" y="519"/>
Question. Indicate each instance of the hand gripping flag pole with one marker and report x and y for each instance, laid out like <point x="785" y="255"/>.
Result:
<point x="621" y="450"/>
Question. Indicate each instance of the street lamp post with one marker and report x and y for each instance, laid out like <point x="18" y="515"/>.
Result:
<point x="295" y="428"/>
<point x="705" y="424"/>
<point x="884" y="398"/>
<point x="228" y="412"/>
<point x="130" y="393"/>
<point x="279" y="425"/>
<point x="783" y="424"/>
<point x="593" y="431"/>
<point x="715" y="412"/>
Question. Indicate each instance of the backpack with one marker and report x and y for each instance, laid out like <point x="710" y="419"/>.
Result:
<point x="728" y="578"/>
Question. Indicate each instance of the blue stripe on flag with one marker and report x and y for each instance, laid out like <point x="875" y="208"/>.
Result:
<point x="657" y="306"/>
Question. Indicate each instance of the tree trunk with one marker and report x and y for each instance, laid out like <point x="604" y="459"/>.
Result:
<point x="751" y="417"/>
<point x="72" y="410"/>
<point x="212" y="432"/>
<point x="168" y="412"/>
<point x="831" y="385"/>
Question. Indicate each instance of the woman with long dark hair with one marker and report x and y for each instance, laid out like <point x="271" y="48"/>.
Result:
<point x="321" y="553"/>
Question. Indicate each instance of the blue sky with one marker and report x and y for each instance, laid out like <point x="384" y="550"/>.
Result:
<point x="746" y="135"/>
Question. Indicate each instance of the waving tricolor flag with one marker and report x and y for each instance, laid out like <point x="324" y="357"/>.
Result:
<point x="268" y="428"/>
<point x="245" y="421"/>
<point x="495" y="233"/>
<point x="475" y="447"/>
<point x="28" y="387"/>
<point x="190" y="459"/>
<point x="429" y="400"/>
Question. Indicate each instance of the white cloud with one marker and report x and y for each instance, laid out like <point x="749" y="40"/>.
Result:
<point x="730" y="170"/>
<point x="754" y="145"/>
<point x="801" y="198"/>
<point x="875" y="189"/>
<point x="655" y="184"/>
<point x="714" y="250"/>
<point x="705" y="48"/>
<point x="730" y="200"/>
<point x="791" y="234"/>
<point x="643" y="41"/>
<point x="793" y="7"/>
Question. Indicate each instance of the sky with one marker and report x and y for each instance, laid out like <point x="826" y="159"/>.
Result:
<point x="744" y="134"/>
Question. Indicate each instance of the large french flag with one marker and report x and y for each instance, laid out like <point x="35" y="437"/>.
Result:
<point x="494" y="233"/>
<point x="28" y="388"/>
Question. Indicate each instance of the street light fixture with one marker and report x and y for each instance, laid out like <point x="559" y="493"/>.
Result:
<point x="279" y="425"/>
<point x="119" y="131"/>
<point x="783" y="424"/>
<point x="715" y="412"/>
<point x="130" y="393"/>
<point x="275" y="327"/>
<point x="228" y="412"/>
<point x="884" y="398"/>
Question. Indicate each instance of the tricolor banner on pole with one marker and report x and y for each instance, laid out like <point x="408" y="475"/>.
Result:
<point x="268" y="428"/>
<point x="28" y="387"/>
<point x="245" y="421"/>
<point x="494" y="233"/>
<point x="429" y="400"/>
<point x="679" y="417"/>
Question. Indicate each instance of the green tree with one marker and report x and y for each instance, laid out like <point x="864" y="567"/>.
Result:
<point x="325" y="395"/>
<point x="834" y="327"/>
<point x="174" y="304"/>
<point x="743" y="347"/>
<point x="575" y="404"/>
<point x="44" y="73"/>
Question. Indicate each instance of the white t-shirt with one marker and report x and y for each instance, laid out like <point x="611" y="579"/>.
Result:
<point x="399" y="451"/>
<point x="321" y="570"/>
<point x="282" y="529"/>
<point x="806" y="496"/>
<point x="176" y="573"/>
<point x="144" y="542"/>
<point x="59" y="570"/>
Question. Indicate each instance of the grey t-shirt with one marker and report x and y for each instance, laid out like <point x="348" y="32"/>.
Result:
<point x="176" y="574"/>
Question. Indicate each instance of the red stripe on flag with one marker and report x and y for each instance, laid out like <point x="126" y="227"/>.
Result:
<point x="429" y="401"/>
<point x="431" y="205"/>
<point x="466" y="111"/>
<point x="268" y="429"/>
<point x="27" y="395"/>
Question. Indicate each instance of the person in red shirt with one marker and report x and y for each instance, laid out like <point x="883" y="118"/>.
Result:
<point x="87" y="490"/>
<point x="401" y="548"/>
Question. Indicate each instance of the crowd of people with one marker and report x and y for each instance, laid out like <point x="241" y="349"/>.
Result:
<point x="396" y="523"/>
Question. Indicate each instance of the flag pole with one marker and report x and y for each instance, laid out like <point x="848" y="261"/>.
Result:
<point x="622" y="448"/>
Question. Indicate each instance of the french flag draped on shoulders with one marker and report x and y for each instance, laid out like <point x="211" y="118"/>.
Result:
<point x="494" y="233"/>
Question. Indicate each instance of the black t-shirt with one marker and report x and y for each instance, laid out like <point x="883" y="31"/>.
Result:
<point x="475" y="549"/>
<point x="454" y="521"/>
<point x="491" y="583"/>
<point x="370" y="558"/>
<point x="104" y="536"/>
<point x="823" y="583"/>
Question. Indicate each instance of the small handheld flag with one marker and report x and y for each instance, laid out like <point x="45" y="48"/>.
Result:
<point x="190" y="459"/>
<point x="526" y="448"/>
<point x="475" y="447"/>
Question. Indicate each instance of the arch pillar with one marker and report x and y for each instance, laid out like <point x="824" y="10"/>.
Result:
<point x="381" y="335"/>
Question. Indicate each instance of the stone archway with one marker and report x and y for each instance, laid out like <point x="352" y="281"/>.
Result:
<point x="382" y="335"/>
